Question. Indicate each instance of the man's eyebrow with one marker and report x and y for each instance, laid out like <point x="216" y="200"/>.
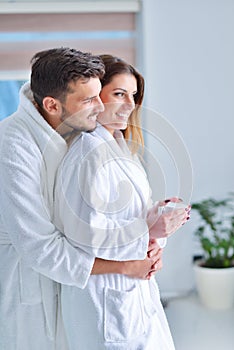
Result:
<point x="88" y="98"/>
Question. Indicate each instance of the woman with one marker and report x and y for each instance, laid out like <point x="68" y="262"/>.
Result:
<point x="101" y="204"/>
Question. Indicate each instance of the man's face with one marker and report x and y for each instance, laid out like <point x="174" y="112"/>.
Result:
<point x="82" y="106"/>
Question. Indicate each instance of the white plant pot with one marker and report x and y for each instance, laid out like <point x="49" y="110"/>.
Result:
<point x="215" y="286"/>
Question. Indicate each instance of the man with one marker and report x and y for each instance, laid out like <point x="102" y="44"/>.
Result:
<point x="34" y="254"/>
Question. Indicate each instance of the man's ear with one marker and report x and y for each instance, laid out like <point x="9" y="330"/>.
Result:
<point x="51" y="105"/>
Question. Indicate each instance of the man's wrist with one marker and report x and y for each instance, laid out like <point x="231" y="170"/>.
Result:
<point x="102" y="266"/>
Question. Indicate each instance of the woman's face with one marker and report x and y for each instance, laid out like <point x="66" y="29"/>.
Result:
<point x="118" y="100"/>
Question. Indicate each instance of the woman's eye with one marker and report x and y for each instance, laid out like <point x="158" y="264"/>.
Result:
<point x="120" y="94"/>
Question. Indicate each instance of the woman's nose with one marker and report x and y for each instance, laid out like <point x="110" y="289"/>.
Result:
<point x="129" y="102"/>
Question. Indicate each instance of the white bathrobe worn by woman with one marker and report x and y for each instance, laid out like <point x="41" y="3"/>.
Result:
<point x="102" y="190"/>
<point x="33" y="252"/>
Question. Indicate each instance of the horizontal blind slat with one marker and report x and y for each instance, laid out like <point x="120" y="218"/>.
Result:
<point x="68" y="22"/>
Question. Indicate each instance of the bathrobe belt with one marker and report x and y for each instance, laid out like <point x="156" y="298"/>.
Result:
<point x="47" y="287"/>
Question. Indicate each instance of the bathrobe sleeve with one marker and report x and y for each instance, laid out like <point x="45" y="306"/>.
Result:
<point x="98" y="207"/>
<point x="27" y="219"/>
<point x="162" y="242"/>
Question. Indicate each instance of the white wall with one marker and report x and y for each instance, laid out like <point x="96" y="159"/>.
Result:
<point x="186" y="53"/>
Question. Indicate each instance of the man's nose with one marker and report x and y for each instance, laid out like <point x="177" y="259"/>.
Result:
<point x="99" y="105"/>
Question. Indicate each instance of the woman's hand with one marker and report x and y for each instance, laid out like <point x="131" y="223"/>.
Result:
<point x="164" y="224"/>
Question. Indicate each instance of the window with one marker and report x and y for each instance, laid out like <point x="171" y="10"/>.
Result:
<point x="24" y="31"/>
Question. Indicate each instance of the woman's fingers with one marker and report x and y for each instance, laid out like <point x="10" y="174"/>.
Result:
<point x="153" y="248"/>
<point x="155" y="268"/>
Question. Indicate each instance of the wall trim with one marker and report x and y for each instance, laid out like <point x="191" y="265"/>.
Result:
<point x="70" y="7"/>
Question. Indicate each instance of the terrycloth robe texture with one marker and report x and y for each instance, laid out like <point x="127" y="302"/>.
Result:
<point x="103" y="189"/>
<point x="33" y="253"/>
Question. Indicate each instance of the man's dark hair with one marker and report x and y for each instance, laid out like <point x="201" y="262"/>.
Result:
<point x="54" y="69"/>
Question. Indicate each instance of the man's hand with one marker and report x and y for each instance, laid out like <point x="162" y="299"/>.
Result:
<point x="145" y="269"/>
<point x="142" y="269"/>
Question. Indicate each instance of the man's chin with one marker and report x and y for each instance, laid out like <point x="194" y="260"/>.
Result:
<point x="89" y="128"/>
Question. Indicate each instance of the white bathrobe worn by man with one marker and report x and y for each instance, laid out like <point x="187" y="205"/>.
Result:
<point x="102" y="189"/>
<point x="33" y="253"/>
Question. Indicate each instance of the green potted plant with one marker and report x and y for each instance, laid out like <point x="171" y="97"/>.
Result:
<point x="216" y="231"/>
<point x="214" y="273"/>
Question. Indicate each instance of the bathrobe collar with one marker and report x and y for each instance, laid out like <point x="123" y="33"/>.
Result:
<point x="34" y="119"/>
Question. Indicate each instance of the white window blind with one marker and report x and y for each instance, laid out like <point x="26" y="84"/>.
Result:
<point x="22" y="35"/>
